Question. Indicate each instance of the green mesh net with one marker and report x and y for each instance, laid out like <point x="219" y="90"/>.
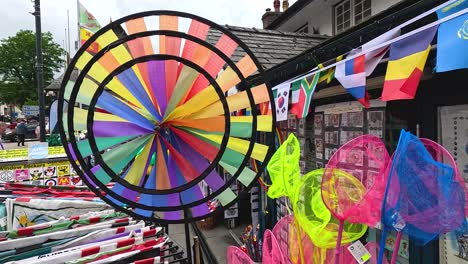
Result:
<point x="284" y="169"/>
<point x="314" y="216"/>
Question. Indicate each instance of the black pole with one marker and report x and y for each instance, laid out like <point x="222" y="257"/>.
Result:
<point x="39" y="70"/>
<point x="187" y="238"/>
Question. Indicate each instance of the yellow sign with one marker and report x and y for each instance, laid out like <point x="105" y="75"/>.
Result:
<point x="22" y="154"/>
<point x="57" y="151"/>
<point x="63" y="170"/>
<point x="13" y="154"/>
<point x="35" y="165"/>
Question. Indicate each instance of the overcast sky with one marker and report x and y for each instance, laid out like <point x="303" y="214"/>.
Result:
<point x="16" y="15"/>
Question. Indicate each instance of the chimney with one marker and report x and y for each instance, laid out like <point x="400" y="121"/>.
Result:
<point x="269" y="15"/>
<point x="285" y="5"/>
<point x="276" y="5"/>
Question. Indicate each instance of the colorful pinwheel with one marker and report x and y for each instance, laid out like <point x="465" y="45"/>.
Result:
<point x="154" y="86"/>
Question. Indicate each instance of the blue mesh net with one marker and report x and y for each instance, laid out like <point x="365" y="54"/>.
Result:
<point x="422" y="198"/>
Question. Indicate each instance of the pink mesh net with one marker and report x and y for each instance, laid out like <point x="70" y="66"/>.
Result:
<point x="271" y="252"/>
<point x="356" y="196"/>
<point x="236" y="256"/>
<point x="353" y="183"/>
<point x="373" y="249"/>
<point x="286" y="233"/>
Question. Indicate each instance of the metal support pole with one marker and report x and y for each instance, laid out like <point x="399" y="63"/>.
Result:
<point x="187" y="239"/>
<point x="197" y="257"/>
<point x="39" y="70"/>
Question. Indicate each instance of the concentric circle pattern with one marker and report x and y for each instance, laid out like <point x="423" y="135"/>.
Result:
<point x="165" y="139"/>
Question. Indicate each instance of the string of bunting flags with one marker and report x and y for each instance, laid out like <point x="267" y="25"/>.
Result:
<point x="407" y="58"/>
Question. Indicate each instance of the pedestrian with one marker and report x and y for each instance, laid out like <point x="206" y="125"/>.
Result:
<point x="3" y="127"/>
<point x="37" y="131"/>
<point x="21" y="130"/>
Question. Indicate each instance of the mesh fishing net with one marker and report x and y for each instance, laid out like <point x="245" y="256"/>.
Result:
<point x="286" y="232"/>
<point x="354" y="180"/>
<point x="300" y="249"/>
<point x="271" y="252"/>
<point x="314" y="216"/>
<point x="423" y="197"/>
<point x="440" y="154"/>
<point x="236" y="256"/>
<point x="373" y="249"/>
<point x="284" y="169"/>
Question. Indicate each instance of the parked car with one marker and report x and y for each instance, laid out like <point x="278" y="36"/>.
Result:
<point x="10" y="134"/>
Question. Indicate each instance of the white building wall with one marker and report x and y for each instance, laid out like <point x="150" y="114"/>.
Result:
<point x="319" y="14"/>
<point x="4" y="107"/>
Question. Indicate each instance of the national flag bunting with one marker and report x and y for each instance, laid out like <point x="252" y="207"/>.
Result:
<point x="282" y="102"/>
<point x="301" y="94"/>
<point x="352" y="75"/>
<point x="88" y="26"/>
<point x="88" y="21"/>
<point x="452" y="39"/>
<point x="406" y="64"/>
<point x="353" y="72"/>
<point x="373" y="57"/>
<point x="328" y="75"/>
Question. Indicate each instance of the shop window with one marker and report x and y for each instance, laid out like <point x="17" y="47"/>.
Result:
<point x="304" y="29"/>
<point x="350" y="13"/>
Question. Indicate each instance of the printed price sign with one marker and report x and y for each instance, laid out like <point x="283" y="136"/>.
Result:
<point x="359" y="252"/>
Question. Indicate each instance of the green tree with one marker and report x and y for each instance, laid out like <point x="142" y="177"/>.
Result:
<point x="18" y="82"/>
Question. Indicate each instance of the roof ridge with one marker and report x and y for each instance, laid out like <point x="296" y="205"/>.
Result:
<point x="274" y="32"/>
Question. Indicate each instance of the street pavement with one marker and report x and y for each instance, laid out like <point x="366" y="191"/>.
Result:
<point x="13" y="145"/>
<point x="218" y="239"/>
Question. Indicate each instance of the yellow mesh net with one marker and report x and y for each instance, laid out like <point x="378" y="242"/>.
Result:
<point x="284" y="169"/>
<point x="315" y="218"/>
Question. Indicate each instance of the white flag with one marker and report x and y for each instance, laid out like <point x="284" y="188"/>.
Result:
<point x="374" y="57"/>
<point x="281" y="102"/>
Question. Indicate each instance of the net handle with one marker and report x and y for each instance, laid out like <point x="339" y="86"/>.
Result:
<point x="338" y="242"/>
<point x="396" y="248"/>
<point x="299" y="238"/>
<point x="403" y="136"/>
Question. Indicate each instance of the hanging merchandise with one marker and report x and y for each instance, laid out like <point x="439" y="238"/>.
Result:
<point x="324" y="230"/>
<point x="236" y="256"/>
<point x="271" y="252"/>
<point x="284" y="170"/>
<point x="423" y="197"/>
<point x="442" y="155"/>
<point x="354" y="182"/>
<point x="170" y="105"/>
<point x="305" y="194"/>
<point x="286" y="232"/>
